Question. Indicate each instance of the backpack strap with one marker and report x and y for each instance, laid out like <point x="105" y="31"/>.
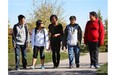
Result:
<point x="35" y="31"/>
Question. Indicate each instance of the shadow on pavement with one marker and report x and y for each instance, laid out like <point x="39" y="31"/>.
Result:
<point x="76" y="72"/>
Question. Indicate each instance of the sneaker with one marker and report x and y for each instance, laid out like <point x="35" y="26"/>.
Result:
<point x="17" y="69"/>
<point x="71" y="66"/>
<point x="97" y="66"/>
<point x="91" y="66"/>
<point x="32" y="67"/>
<point x="42" y="67"/>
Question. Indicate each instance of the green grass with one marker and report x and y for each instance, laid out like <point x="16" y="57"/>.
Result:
<point x="103" y="70"/>
<point x="48" y="58"/>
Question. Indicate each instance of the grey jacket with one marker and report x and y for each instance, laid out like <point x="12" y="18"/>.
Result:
<point x="72" y="38"/>
<point x="20" y="35"/>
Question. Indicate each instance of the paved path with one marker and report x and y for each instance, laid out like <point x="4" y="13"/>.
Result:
<point x="63" y="68"/>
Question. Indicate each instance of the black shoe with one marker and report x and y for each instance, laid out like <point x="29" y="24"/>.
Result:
<point x="24" y="67"/>
<point x="77" y="65"/>
<point x="57" y="65"/>
<point x="54" y="67"/>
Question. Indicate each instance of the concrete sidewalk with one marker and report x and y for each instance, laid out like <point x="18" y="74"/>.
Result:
<point x="63" y="68"/>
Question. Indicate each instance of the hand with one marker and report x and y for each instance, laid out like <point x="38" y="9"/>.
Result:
<point x="56" y="35"/>
<point x="26" y="45"/>
<point x="64" y="47"/>
<point x="14" y="45"/>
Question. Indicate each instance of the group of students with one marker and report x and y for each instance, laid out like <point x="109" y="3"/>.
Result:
<point x="71" y="38"/>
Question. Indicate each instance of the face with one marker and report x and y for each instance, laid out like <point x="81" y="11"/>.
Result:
<point x="92" y="17"/>
<point x="41" y="25"/>
<point x="72" y="21"/>
<point x="22" y="21"/>
<point x="53" y="20"/>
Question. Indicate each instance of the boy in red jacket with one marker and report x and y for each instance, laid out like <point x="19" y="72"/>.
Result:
<point x="94" y="37"/>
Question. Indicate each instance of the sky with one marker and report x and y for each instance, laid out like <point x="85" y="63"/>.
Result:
<point x="78" y="8"/>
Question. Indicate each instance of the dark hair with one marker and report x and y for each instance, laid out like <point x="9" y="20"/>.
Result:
<point x="20" y="17"/>
<point x="72" y="17"/>
<point x="38" y="22"/>
<point x="93" y="13"/>
<point x="53" y="16"/>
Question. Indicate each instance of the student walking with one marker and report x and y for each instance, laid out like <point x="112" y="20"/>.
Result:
<point x="94" y="37"/>
<point x="56" y="32"/>
<point x="72" y="38"/>
<point x="39" y="41"/>
<point x="20" y="41"/>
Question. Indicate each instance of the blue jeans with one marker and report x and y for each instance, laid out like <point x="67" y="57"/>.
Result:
<point x="73" y="51"/>
<point x="21" y="48"/>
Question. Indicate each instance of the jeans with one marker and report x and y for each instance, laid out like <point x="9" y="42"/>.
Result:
<point x="93" y="50"/>
<point x="21" y="48"/>
<point x="35" y="52"/>
<point x="73" y="51"/>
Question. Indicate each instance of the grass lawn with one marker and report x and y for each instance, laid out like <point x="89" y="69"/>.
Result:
<point x="48" y="58"/>
<point x="103" y="70"/>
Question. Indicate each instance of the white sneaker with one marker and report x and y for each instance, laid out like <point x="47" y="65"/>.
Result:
<point x="17" y="69"/>
<point x="32" y="67"/>
<point x="91" y="66"/>
<point x="97" y="66"/>
<point x="42" y="67"/>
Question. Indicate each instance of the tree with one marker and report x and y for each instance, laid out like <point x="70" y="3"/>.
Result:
<point x="99" y="15"/>
<point x="44" y="9"/>
<point x="106" y="34"/>
<point x="104" y="48"/>
<point x="10" y="46"/>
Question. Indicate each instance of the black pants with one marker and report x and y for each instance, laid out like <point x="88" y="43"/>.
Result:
<point x="55" y="46"/>
<point x="93" y="50"/>
<point x="35" y="52"/>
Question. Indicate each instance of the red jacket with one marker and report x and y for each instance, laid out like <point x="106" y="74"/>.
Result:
<point x="94" y="32"/>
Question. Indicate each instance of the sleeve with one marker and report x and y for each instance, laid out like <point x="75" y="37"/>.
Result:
<point x="46" y="39"/>
<point x="80" y="34"/>
<point x="65" y="37"/>
<point x="61" y="32"/>
<point x="32" y="38"/>
<point x="27" y="34"/>
<point x="14" y="35"/>
<point x="101" y="34"/>
<point x="49" y="28"/>
<point x="85" y="34"/>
